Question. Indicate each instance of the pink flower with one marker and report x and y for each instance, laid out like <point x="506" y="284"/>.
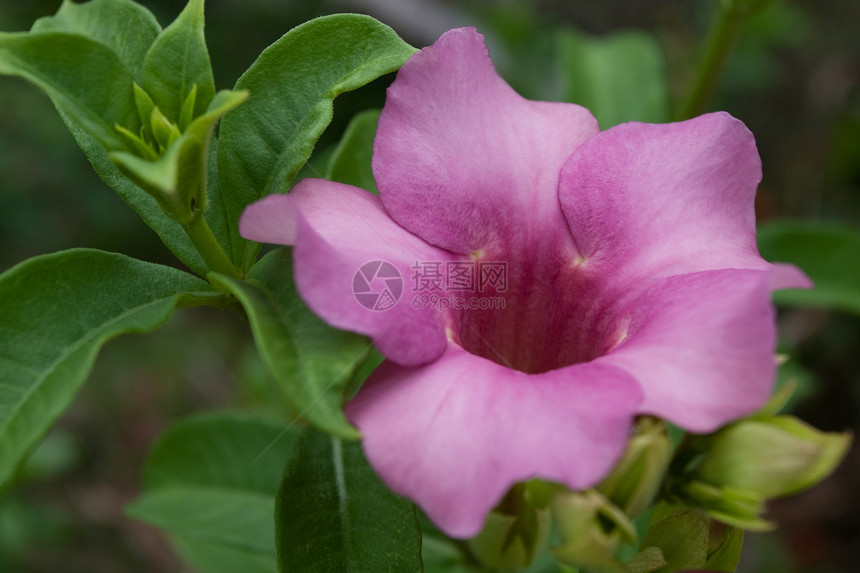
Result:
<point x="634" y="285"/>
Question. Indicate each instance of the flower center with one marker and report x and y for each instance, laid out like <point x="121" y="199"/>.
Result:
<point x="551" y="313"/>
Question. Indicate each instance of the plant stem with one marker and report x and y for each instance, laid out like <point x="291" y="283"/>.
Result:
<point x="207" y="245"/>
<point x="721" y="39"/>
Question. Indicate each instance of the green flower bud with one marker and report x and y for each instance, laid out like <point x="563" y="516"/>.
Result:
<point x="734" y="471"/>
<point x="592" y="528"/>
<point x="636" y="478"/>
<point x="516" y="530"/>
<point x="773" y="456"/>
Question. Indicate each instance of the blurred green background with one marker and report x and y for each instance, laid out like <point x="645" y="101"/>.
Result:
<point x="794" y="79"/>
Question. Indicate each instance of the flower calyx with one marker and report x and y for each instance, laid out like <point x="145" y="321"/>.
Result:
<point x="636" y="479"/>
<point x="592" y="529"/>
<point x="517" y="529"/>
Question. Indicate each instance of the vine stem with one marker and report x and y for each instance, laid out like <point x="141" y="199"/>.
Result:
<point x="207" y="245"/>
<point x="721" y="39"/>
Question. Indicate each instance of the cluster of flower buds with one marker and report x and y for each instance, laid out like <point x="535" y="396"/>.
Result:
<point x="168" y="159"/>
<point x="712" y="489"/>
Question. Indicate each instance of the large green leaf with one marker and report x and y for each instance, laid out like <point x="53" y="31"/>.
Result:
<point x="123" y="25"/>
<point x="226" y="450"/>
<point x="210" y="483"/>
<point x="230" y="517"/>
<point x="619" y="78"/>
<point x="311" y="361"/>
<point x="828" y="254"/>
<point x="56" y="311"/>
<point x="334" y="514"/>
<point x="293" y="83"/>
<point x="220" y="558"/>
<point x="350" y="162"/>
<point x="177" y="61"/>
<point x="83" y="77"/>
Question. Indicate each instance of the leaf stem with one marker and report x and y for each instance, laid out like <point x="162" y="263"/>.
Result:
<point x="721" y="40"/>
<point x="207" y="245"/>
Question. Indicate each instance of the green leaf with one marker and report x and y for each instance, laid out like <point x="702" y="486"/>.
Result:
<point x="227" y="450"/>
<point x="238" y="519"/>
<point x="84" y="78"/>
<point x="350" y="162"/>
<point x="311" y="361"/>
<point x="224" y="101"/>
<point x="56" y="311"/>
<point x="216" y="558"/>
<point x="186" y="114"/>
<point x="334" y="514"/>
<point x="124" y="26"/>
<point x="178" y="60"/>
<point x="440" y="555"/>
<point x="620" y="77"/>
<point x="215" y="215"/>
<point x="210" y="482"/>
<point x="145" y="109"/>
<point x="293" y="83"/>
<point x="828" y="254"/>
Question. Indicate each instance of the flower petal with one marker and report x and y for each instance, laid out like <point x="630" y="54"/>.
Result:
<point x="456" y="141"/>
<point x="336" y="230"/>
<point x="702" y="347"/>
<point x="650" y="201"/>
<point x="454" y="435"/>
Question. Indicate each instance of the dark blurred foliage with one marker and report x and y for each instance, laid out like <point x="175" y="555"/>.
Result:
<point x="794" y="79"/>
